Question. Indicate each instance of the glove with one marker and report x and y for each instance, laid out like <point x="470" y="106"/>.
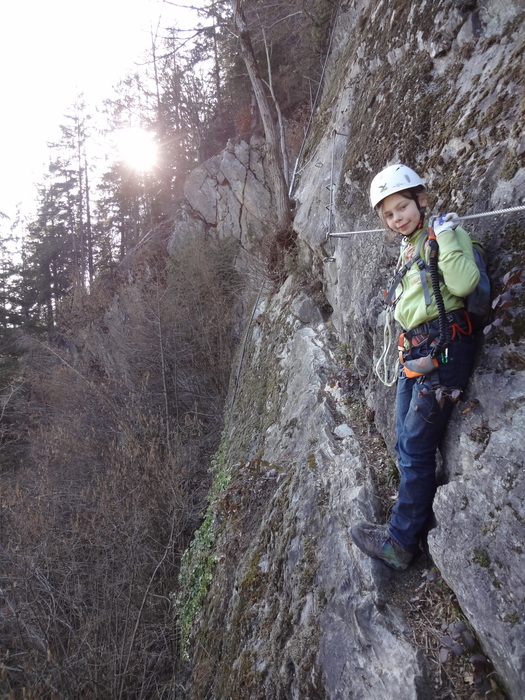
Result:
<point x="447" y="222"/>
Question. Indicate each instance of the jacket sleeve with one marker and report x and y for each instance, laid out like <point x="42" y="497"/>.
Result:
<point x="456" y="262"/>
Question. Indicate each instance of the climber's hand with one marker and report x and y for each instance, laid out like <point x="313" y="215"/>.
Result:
<point x="447" y="222"/>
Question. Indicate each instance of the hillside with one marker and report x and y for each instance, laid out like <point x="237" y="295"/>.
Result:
<point x="201" y="435"/>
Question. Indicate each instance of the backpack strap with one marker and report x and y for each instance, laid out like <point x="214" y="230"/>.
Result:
<point x="416" y="258"/>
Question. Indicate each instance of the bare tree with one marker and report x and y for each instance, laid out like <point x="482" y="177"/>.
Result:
<point x="275" y="168"/>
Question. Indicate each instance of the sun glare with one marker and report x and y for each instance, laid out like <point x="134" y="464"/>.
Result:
<point x="137" y="148"/>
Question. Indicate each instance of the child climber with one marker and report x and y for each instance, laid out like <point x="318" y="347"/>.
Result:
<point x="436" y="354"/>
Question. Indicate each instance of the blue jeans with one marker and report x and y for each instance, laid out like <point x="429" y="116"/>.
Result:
<point x="420" y="425"/>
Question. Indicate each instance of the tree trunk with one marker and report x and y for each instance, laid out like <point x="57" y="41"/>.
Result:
<point x="89" y="231"/>
<point x="282" y="140"/>
<point x="275" y="170"/>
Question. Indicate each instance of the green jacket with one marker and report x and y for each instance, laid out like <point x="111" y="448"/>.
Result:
<point x="458" y="271"/>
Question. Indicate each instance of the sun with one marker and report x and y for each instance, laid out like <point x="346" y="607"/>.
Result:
<point x="137" y="148"/>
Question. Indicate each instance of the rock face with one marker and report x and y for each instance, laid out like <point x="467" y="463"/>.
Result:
<point x="294" y="610"/>
<point x="230" y="193"/>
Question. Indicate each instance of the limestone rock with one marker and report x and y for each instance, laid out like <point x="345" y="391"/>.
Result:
<point x="230" y="193"/>
<point x="295" y="610"/>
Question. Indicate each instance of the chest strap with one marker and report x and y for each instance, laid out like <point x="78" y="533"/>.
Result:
<point x="423" y="267"/>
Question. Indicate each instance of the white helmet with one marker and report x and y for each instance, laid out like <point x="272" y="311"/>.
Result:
<point x="394" y="178"/>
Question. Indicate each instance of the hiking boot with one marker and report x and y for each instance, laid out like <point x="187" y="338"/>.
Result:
<point x="375" y="541"/>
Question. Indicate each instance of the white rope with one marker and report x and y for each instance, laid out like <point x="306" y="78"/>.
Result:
<point x="381" y="366"/>
<point x="342" y="234"/>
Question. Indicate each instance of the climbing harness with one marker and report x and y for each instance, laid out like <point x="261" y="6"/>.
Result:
<point x="437" y="339"/>
<point x="415" y="259"/>
<point x="475" y="304"/>
<point x="428" y="364"/>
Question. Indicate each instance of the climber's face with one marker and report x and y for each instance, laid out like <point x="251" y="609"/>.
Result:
<point x="401" y="213"/>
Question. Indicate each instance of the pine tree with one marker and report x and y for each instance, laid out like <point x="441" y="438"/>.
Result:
<point x="50" y="264"/>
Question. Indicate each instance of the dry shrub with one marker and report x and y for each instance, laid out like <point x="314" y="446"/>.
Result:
<point x="121" y="420"/>
<point x="91" y="550"/>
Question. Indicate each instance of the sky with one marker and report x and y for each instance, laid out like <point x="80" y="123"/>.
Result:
<point x="50" y="52"/>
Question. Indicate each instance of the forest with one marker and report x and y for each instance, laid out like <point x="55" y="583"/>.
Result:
<point x="115" y="357"/>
